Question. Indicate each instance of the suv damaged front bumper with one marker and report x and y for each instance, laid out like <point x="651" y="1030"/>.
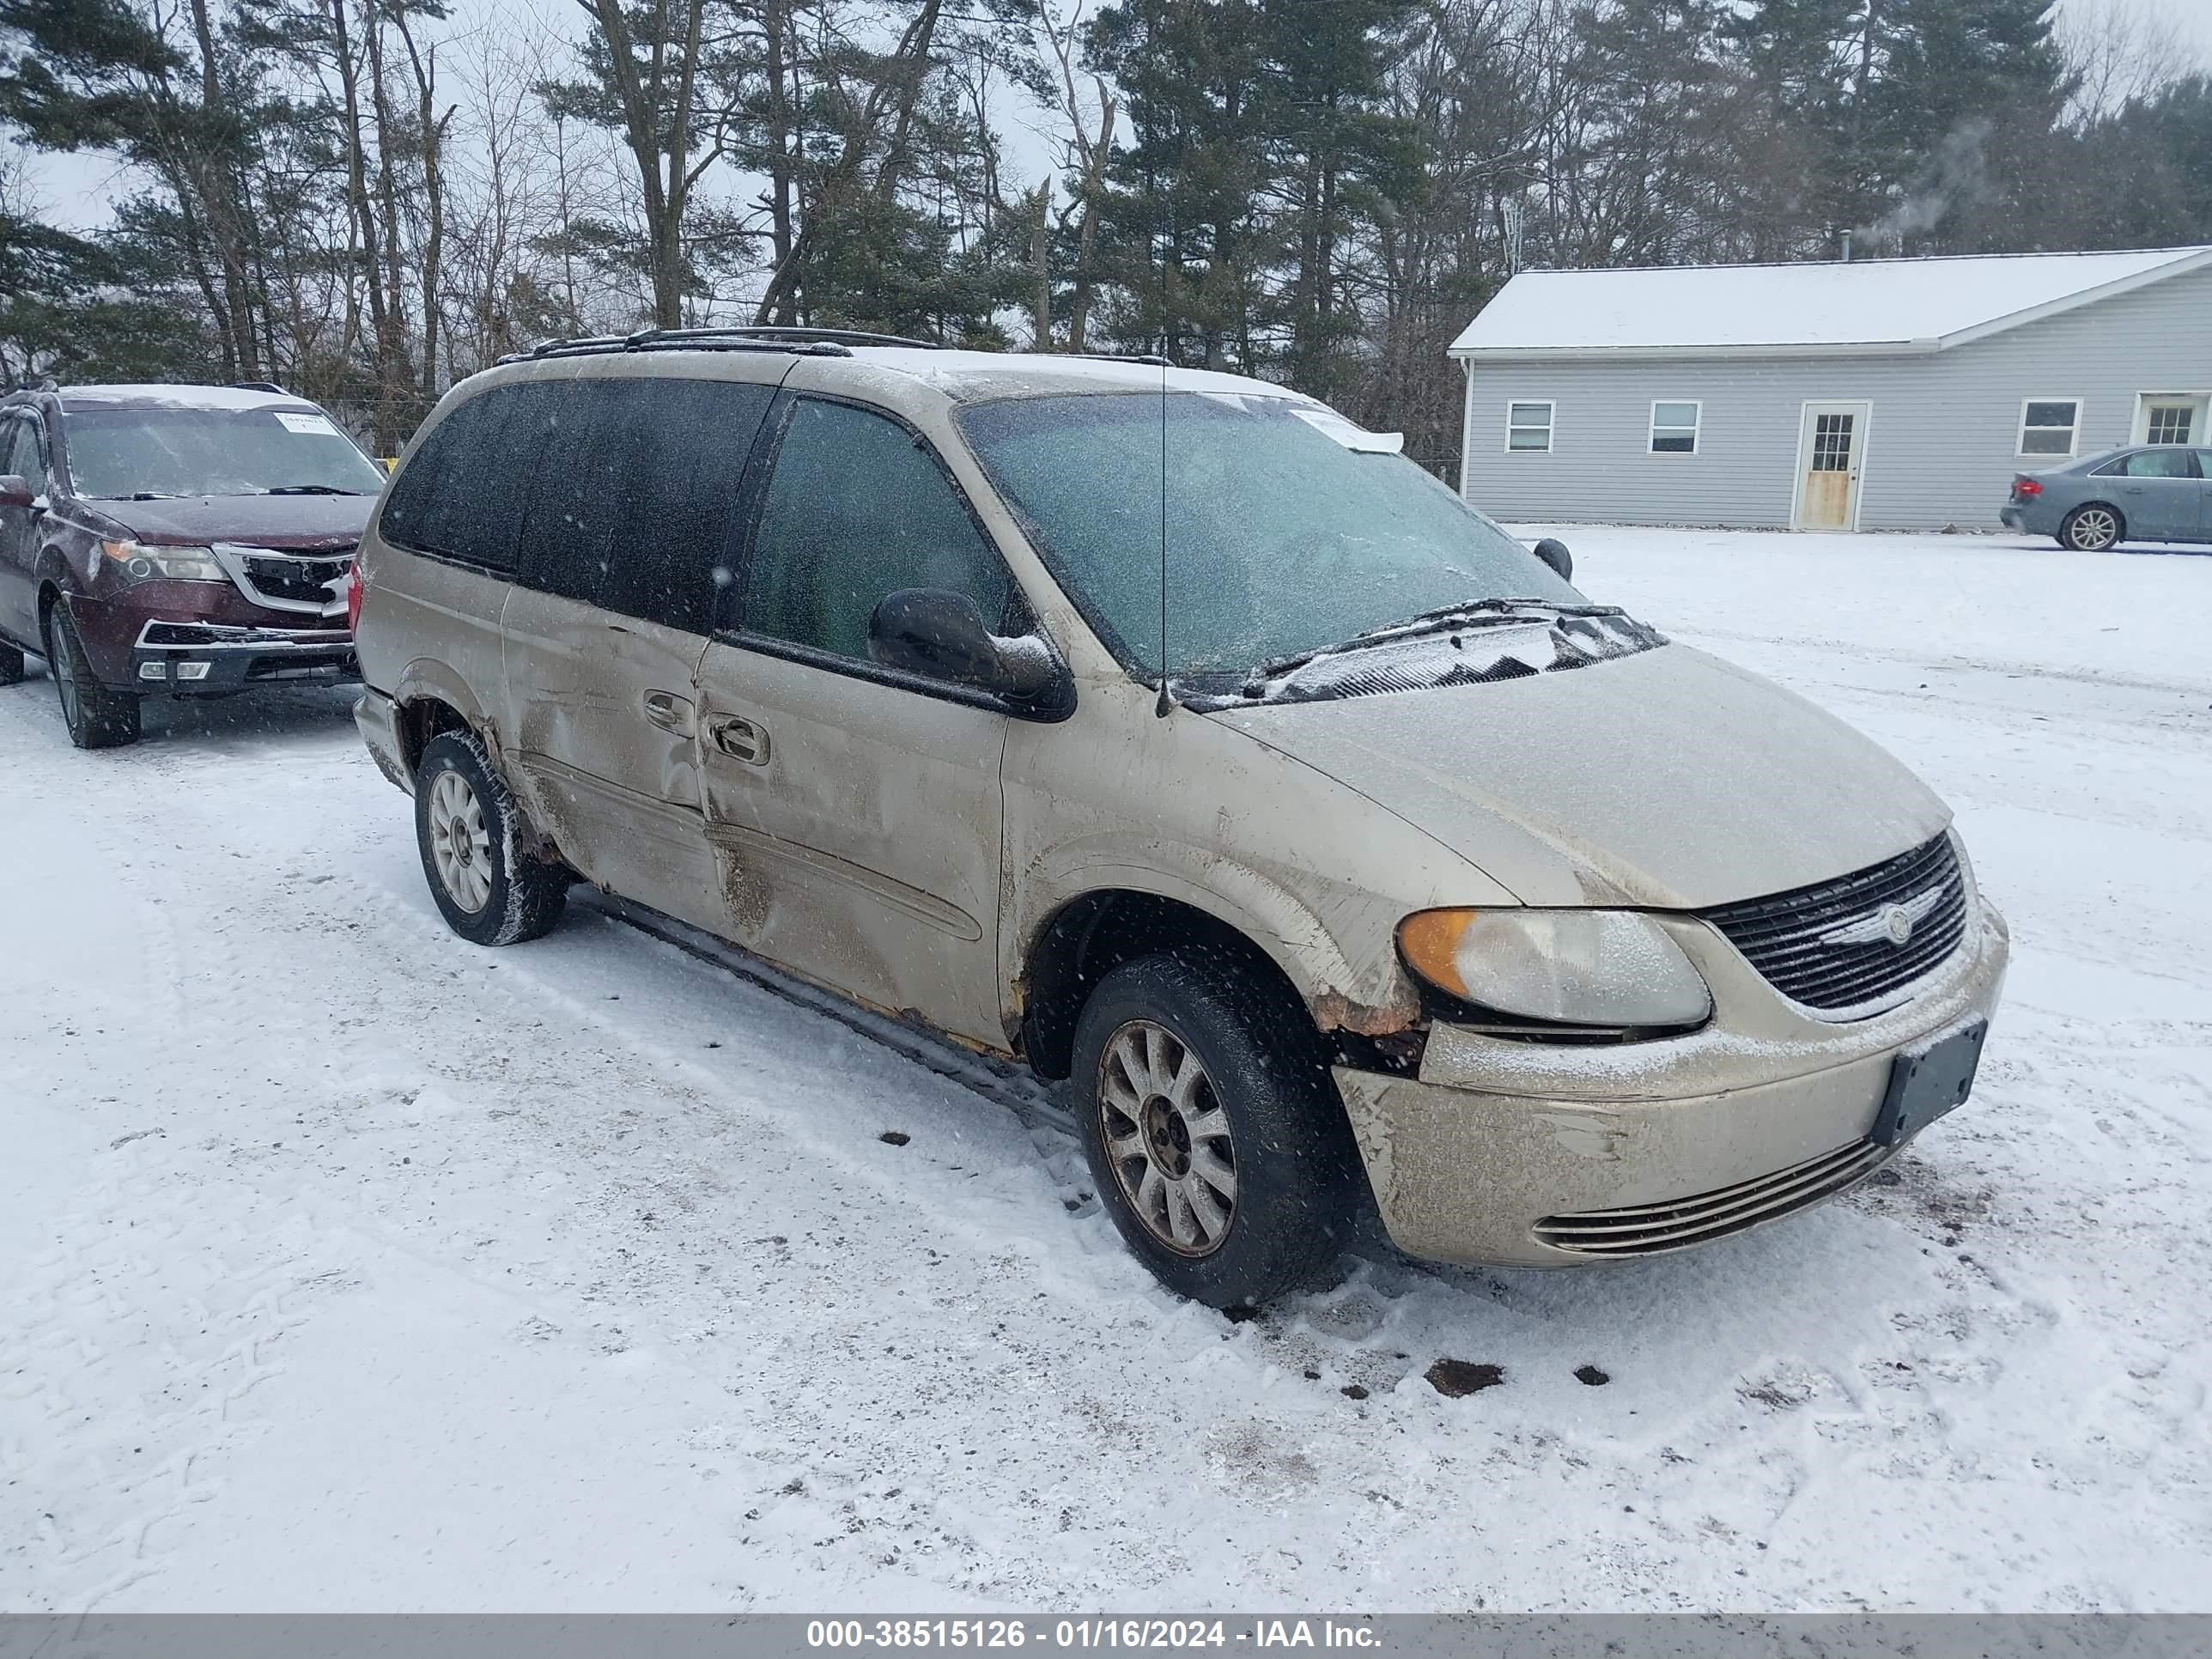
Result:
<point x="1517" y="1154"/>
<point x="194" y="658"/>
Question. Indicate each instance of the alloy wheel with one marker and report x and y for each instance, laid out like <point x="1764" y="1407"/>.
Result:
<point x="2095" y="529"/>
<point x="460" y="844"/>
<point x="60" y="662"/>
<point x="1167" y="1138"/>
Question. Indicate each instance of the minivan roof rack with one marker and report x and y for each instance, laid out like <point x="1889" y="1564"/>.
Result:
<point x="259" y="386"/>
<point x="808" y="342"/>
<point x="849" y="337"/>
<point x="1152" y="358"/>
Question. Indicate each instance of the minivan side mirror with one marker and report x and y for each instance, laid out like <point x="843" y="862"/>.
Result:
<point x="1554" y="553"/>
<point x="937" y="633"/>
<point x="16" y="491"/>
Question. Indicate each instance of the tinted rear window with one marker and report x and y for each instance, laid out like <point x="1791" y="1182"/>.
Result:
<point x="634" y="507"/>
<point x="462" y="493"/>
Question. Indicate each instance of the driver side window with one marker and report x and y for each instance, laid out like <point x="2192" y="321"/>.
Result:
<point x="857" y="507"/>
<point x="26" y="458"/>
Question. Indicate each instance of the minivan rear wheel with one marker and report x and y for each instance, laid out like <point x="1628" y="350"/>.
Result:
<point x="1215" y="1136"/>
<point x="11" y="665"/>
<point x="2092" y="528"/>
<point x="488" y="888"/>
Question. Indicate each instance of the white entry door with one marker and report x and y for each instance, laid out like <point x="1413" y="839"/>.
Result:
<point x="1830" y="446"/>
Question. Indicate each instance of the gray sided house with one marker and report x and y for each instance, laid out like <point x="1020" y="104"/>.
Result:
<point x="1884" y="394"/>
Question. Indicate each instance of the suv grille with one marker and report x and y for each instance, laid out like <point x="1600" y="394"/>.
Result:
<point x="300" y="580"/>
<point x="1677" y="1223"/>
<point x="1833" y="946"/>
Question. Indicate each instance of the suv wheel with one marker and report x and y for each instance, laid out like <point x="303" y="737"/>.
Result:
<point x="97" y="718"/>
<point x="2092" y="528"/>
<point x="488" y="890"/>
<point x="11" y="665"/>
<point x="1215" y="1136"/>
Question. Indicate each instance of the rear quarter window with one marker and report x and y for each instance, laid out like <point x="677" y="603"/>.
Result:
<point x="464" y="492"/>
<point x="636" y="503"/>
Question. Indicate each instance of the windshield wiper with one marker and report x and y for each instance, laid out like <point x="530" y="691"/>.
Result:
<point x="1467" y="614"/>
<point x="309" y="489"/>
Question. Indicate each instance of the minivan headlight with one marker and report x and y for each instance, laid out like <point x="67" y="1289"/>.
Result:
<point x="141" y="563"/>
<point x="1575" y="967"/>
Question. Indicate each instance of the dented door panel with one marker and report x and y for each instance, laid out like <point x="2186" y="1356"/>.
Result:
<point x="599" y="713"/>
<point x="855" y="830"/>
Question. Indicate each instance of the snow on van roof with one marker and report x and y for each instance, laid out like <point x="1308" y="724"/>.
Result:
<point x="966" y="376"/>
<point x="1866" y="305"/>
<point x="180" y="396"/>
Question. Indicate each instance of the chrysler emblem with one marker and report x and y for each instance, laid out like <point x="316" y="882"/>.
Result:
<point x="1892" y="924"/>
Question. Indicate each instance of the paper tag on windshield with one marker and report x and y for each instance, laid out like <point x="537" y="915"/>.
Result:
<point x="1328" y="422"/>
<point x="316" y="425"/>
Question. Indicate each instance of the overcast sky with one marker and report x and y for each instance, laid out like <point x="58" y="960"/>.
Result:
<point x="76" y="189"/>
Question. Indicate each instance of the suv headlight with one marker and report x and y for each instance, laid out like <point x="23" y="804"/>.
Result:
<point x="141" y="563"/>
<point x="1610" y="967"/>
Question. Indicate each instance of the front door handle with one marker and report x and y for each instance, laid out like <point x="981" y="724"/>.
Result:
<point x="740" y="739"/>
<point x="669" y="711"/>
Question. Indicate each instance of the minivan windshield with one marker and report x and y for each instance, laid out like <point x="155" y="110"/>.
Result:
<point x="121" y="452"/>
<point x="1280" y="538"/>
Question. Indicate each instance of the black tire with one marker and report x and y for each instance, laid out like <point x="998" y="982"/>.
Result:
<point x="11" y="665"/>
<point x="1296" y="1201"/>
<point x="97" y="718"/>
<point x="520" y="896"/>
<point x="2092" y="527"/>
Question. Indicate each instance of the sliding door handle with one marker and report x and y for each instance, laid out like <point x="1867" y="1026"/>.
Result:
<point x="740" y="739"/>
<point x="669" y="711"/>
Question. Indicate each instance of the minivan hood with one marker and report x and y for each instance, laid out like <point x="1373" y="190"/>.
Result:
<point x="1668" y="779"/>
<point x="300" y="523"/>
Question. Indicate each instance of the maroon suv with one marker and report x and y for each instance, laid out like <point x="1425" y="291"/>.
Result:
<point x="175" y="540"/>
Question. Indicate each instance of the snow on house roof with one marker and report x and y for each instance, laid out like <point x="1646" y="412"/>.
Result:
<point x="1792" y="310"/>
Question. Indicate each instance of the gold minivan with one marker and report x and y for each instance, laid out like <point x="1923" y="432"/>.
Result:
<point x="1170" y="732"/>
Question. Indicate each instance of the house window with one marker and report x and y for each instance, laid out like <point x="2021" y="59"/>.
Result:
<point x="2048" y="425"/>
<point x="2170" y="423"/>
<point x="1674" y="427"/>
<point x="1529" y="426"/>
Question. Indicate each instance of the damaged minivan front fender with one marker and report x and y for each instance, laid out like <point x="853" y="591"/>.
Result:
<point x="1191" y="812"/>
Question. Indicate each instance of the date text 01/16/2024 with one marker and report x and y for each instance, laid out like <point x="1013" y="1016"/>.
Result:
<point x="1088" y="1633"/>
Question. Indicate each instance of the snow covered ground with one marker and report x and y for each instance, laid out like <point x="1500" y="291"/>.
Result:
<point x="345" y="1266"/>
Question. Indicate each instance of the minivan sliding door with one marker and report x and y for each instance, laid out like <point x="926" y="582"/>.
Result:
<point x="630" y="519"/>
<point x="856" y="811"/>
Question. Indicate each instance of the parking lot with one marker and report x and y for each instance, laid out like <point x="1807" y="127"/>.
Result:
<point x="344" y="1264"/>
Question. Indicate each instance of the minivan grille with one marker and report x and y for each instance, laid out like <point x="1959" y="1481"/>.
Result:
<point x="1677" y="1223"/>
<point x="1828" y="945"/>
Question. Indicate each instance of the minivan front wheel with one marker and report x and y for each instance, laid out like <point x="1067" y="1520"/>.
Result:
<point x="2092" y="529"/>
<point x="490" y="890"/>
<point x="1215" y="1136"/>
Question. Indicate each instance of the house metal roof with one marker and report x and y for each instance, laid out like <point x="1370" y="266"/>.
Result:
<point x="1886" y="306"/>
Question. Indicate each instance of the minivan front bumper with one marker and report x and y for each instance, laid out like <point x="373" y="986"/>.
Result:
<point x="1504" y="1153"/>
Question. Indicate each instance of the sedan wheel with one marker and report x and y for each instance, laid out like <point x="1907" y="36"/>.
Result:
<point x="2090" y="529"/>
<point x="1168" y="1139"/>
<point x="459" y="842"/>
